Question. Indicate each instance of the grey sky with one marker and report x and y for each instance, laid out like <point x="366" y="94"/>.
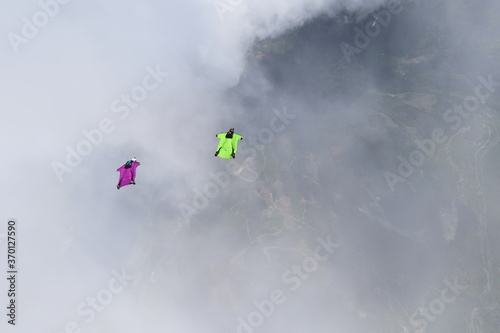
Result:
<point x="302" y="232"/>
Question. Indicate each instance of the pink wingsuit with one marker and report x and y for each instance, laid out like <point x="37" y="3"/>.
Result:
<point x="127" y="173"/>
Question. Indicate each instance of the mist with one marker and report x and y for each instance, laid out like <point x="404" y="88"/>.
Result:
<point x="362" y="197"/>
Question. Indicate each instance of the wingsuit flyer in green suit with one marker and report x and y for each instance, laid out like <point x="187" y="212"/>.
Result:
<point x="228" y="144"/>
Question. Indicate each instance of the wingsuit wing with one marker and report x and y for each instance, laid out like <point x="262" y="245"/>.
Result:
<point x="236" y="138"/>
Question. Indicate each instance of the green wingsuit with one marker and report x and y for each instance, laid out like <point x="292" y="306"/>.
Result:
<point x="228" y="144"/>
